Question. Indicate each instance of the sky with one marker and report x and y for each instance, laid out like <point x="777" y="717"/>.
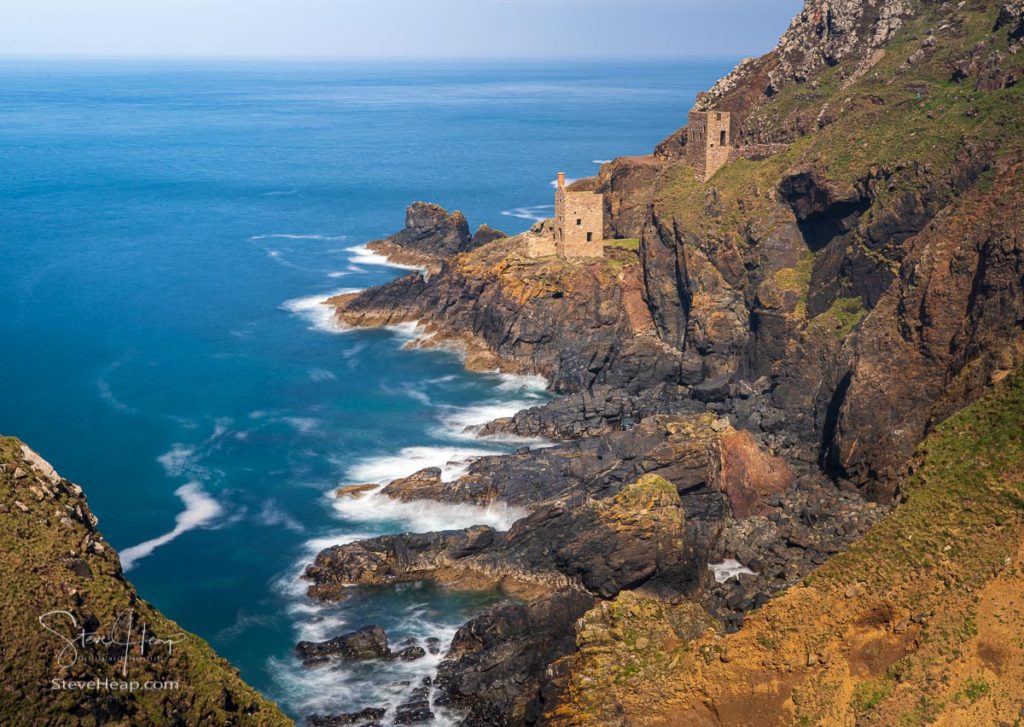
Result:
<point x="399" y="29"/>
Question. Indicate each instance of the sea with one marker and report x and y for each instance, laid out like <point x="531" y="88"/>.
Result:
<point x="167" y="231"/>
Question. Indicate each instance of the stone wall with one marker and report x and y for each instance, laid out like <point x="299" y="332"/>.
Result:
<point x="539" y="245"/>
<point x="579" y="224"/>
<point x="708" y="141"/>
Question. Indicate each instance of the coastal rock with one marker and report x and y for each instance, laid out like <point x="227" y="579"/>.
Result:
<point x="484" y="235"/>
<point x="369" y="642"/>
<point x="496" y="669"/>
<point x="421" y="485"/>
<point x="597" y="411"/>
<point x="355" y="491"/>
<point x="749" y="476"/>
<point x="430" y="235"/>
<point x="362" y="717"/>
<point x="415" y="709"/>
<point x="566" y="322"/>
<point x="411" y="653"/>
<point x="603" y="546"/>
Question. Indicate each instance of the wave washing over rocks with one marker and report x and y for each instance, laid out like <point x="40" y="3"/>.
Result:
<point x="393" y="682"/>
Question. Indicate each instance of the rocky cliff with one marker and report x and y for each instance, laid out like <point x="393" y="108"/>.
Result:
<point x="775" y="348"/>
<point x="918" y="623"/>
<point x="77" y="644"/>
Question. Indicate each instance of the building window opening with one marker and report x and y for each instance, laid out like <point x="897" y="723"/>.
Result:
<point x="721" y="138"/>
<point x="590" y="237"/>
<point x="579" y="222"/>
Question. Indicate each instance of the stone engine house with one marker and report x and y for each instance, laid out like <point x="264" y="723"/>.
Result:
<point x="708" y="141"/>
<point x="579" y="222"/>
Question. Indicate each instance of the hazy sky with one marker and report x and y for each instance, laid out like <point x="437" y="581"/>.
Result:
<point x="391" y="28"/>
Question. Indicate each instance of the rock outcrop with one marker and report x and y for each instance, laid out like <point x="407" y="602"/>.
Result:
<point x="430" y="235"/>
<point x="369" y="642"/>
<point x="777" y="344"/>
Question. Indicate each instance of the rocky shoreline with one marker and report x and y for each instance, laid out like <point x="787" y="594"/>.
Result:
<point x="647" y="485"/>
<point x="740" y="394"/>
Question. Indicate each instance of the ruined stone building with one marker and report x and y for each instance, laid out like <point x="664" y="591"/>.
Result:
<point x="708" y="141"/>
<point x="579" y="222"/>
<point x="577" y="230"/>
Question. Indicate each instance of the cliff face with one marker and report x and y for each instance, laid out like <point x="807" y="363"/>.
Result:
<point x="885" y="237"/>
<point x="810" y="272"/>
<point x="775" y="347"/>
<point x="916" y="624"/>
<point x="77" y="644"/>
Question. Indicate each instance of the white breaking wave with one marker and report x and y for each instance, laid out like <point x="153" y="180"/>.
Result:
<point x="461" y="421"/>
<point x="465" y="422"/>
<point x="534" y="214"/>
<point x="603" y="161"/>
<point x="408" y="332"/>
<point x="299" y="236"/>
<point x="362" y="255"/>
<point x="200" y="509"/>
<point x="531" y="384"/>
<point x="425" y="516"/>
<point x="729" y="568"/>
<point x="383" y="469"/>
<point x="315" y="309"/>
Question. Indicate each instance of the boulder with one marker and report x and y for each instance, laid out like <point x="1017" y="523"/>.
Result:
<point x="369" y="642"/>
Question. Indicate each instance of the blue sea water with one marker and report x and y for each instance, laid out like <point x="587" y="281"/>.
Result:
<point x="165" y="234"/>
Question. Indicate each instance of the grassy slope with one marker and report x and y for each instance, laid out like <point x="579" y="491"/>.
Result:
<point x="918" y="623"/>
<point x="47" y="563"/>
<point x="890" y="117"/>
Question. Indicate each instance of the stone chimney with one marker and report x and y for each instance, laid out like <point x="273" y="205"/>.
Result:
<point x="561" y="180"/>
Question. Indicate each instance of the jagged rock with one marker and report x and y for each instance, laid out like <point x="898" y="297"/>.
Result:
<point x="416" y="707"/>
<point x="496" y="668"/>
<point x="715" y="390"/>
<point x="594" y="412"/>
<point x="354" y="491"/>
<point x="411" y="653"/>
<point x="421" y="485"/>
<point x="566" y="322"/>
<point x="632" y="538"/>
<point x="59" y="579"/>
<point x="749" y="476"/>
<point x="363" y="716"/>
<point x="432" y="235"/>
<point x="485" y="235"/>
<point x="369" y="642"/>
<point x="1011" y="16"/>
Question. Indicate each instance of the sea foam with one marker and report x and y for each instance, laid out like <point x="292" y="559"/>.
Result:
<point x="362" y="255"/>
<point x="319" y="314"/>
<point x="536" y="213"/>
<point x="199" y="510"/>
<point x="388" y="467"/>
<point x="426" y="516"/>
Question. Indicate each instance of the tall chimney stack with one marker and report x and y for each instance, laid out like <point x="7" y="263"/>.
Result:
<point x="561" y="180"/>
